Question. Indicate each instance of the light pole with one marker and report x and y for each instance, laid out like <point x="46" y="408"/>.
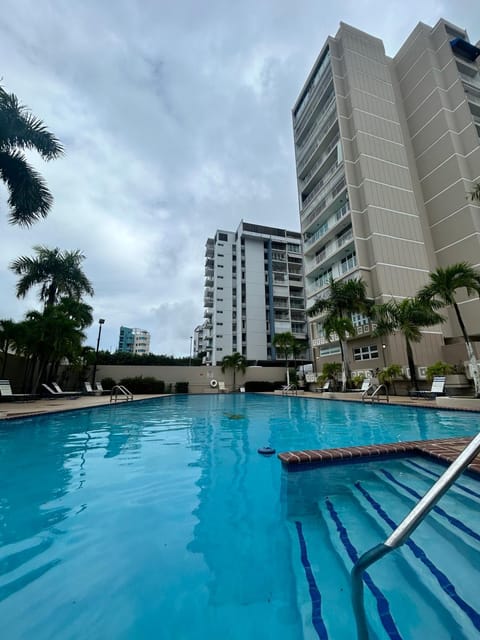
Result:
<point x="190" y="359"/>
<point x="101" y="322"/>
<point x="384" y="346"/>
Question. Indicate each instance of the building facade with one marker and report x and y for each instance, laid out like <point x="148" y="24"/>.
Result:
<point x="134" y="341"/>
<point x="253" y="290"/>
<point x="387" y="151"/>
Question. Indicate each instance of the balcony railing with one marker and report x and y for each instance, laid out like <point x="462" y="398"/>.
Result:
<point x="319" y="208"/>
<point x="325" y="179"/>
<point x="304" y="117"/>
<point x="330" y="224"/>
<point x="317" y="136"/>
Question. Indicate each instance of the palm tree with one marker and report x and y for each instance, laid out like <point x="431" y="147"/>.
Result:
<point x="8" y="334"/>
<point x="345" y="298"/>
<point x="285" y="344"/>
<point x="29" y="197"/>
<point x="475" y="193"/>
<point x="236" y="362"/>
<point x="407" y="316"/>
<point x="442" y="288"/>
<point x="58" y="272"/>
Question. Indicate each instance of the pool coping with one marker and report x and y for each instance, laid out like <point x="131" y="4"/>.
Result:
<point x="445" y="450"/>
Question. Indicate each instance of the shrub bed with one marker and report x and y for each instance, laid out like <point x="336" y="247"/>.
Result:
<point x="142" y="384"/>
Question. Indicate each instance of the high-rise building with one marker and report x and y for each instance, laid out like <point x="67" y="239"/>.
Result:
<point x="134" y="341"/>
<point x="387" y="151"/>
<point x="253" y="290"/>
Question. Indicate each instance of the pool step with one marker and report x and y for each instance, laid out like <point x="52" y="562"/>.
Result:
<point x="423" y="588"/>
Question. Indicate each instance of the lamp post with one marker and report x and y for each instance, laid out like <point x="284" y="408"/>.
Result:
<point x="384" y="346"/>
<point x="101" y="322"/>
<point x="190" y="359"/>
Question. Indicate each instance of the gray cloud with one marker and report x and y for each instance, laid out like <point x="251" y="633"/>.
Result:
<point x="176" y="119"/>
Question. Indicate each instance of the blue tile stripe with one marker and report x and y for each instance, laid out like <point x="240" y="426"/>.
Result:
<point x="458" y="485"/>
<point x="315" y="595"/>
<point x="441" y="578"/>
<point x="455" y="522"/>
<point x="383" y="607"/>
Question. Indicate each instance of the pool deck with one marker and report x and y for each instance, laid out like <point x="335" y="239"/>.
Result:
<point x="445" y="450"/>
<point x="43" y="406"/>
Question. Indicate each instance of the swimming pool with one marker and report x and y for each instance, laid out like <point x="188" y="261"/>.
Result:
<point x="160" y="519"/>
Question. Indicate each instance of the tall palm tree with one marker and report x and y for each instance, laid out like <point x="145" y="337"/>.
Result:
<point x="284" y="343"/>
<point x="58" y="272"/>
<point x="345" y="298"/>
<point x="236" y="362"/>
<point x="29" y="197"/>
<point x="442" y="288"/>
<point x="407" y="316"/>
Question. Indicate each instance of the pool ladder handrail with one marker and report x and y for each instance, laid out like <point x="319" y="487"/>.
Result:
<point x="405" y="529"/>
<point x="290" y="387"/>
<point x="123" y="390"/>
<point x="376" y="394"/>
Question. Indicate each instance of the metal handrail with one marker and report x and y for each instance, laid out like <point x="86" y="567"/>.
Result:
<point x="291" y="387"/>
<point x="123" y="390"/>
<point x="405" y="529"/>
<point x="377" y="391"/>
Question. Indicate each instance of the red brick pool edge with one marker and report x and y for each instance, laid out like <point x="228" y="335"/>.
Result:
<point x="445" y="450"/>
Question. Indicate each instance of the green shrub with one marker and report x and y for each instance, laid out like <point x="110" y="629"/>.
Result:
<point x="357" y="381"/>
<point x="140" y="384"/>
<point x="262" y="385"/>
<point x="439" y="369"/>
<point x="181" y="387"/>
<point x="108" y="383"/>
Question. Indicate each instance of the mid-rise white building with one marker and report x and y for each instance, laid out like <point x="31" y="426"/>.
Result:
<point x="253" y="290"/>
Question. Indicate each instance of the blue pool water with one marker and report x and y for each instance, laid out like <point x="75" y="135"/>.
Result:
<point x="160" y="520"/>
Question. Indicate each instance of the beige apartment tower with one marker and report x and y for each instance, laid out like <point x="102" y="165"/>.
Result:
<point x="387" y="151"/>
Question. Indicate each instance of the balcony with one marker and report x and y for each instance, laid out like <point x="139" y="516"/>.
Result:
<point x="313" y="99"/>
<point x="317" y="137"/>
<point x="331" y="223"/>
<point x="319" y="208"/>
<point x="319" y="187"/>
<point x="314" y="169"/>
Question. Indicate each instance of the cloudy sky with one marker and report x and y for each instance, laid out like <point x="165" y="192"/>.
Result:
<point x="176" y="121"/>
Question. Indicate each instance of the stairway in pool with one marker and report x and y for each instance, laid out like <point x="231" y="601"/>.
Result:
<point x="426" y="589"/>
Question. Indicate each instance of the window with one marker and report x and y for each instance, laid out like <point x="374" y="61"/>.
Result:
<point x="349" y="262"/>
<point x="365" y="353"/>
<point x="219" y="288"/>
<point x="219" y="324"/>
<point x="358" y="319"/>
<point x="223" y="236"/>
<point x="329" y="351"/>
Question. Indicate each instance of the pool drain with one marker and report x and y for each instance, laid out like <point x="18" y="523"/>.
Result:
<point x="266" y="451"/>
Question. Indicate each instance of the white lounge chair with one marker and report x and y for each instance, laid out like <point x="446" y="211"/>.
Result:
<point x="99" y="387"/>
<point x="326" y="387"/>
<point x="221" y="386"/>
<point x="7" y="394"/>
<point x="59" y="394"/>
<point x="437" y="389"/>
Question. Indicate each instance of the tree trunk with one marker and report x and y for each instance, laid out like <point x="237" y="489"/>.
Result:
<point x="411" y="364"/>
<point x="344" y="366"/>
<point x="470" y="352"/>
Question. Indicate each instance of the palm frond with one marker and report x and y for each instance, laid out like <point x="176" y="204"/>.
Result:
<point x="29" y="198"/>
<point x="20" y="129"/>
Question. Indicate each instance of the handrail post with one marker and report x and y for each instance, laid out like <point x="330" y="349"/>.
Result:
<point x="405" y="529"/>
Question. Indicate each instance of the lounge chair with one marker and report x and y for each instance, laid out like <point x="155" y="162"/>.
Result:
<point x="88" y="389"/>
<point x="221" y="386"/>
<point x="7" y="394"/>
<point x="437" y="389"/>
<point x="326" y="387"/>
<point x="60" y="394"/>
<point x="99" y="387"/>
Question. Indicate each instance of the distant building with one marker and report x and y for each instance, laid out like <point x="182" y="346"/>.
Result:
<point x="134" y="341"/>
<point x="253" y="290"/>
<point x="387" y="150"/>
